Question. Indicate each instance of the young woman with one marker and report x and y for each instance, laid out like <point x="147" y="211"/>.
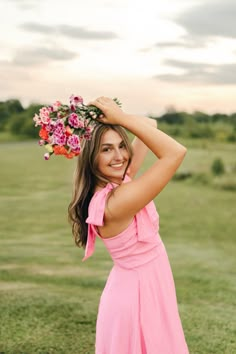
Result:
<point x="138" y="312"/>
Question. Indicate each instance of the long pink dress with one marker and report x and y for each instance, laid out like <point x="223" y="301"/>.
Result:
<point x="138" y="312"/>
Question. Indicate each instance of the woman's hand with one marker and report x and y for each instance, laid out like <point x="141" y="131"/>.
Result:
<point x="112" y="113"/>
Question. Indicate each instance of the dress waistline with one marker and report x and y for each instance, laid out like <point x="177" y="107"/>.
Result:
<point x="138" y="260"/>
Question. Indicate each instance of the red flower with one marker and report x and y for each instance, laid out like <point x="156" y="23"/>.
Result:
<point x="59" y="150"/>
<point x="69" y="131"/>
<point x="43" y="134"/>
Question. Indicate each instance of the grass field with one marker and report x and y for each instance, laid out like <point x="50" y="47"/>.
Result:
<point x="49" y="298"/>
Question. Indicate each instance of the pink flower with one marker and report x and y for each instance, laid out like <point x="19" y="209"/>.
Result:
<point x="72" y="107"/>
<point x="44" y="114"/>
<point x="74" y="121"/>
<point x="41" y="142"/>
<point x="88" y="130"/>
<point x="37" y="120"/>
<point x="56" y="105"/>
<point x="73" y="142"/>
<point x="76" y="100"/>
<point x="50" y="140"/>
<point x="51" y="126"/>
<point x="88" y="136"/>
<point x="47" y="156"/>
<point x="59" y="125"/>
<point x="59" y="138"/>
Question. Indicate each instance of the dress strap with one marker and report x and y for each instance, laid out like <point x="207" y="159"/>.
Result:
<point x="96" y="214"/>
<point x="95" y="218"/>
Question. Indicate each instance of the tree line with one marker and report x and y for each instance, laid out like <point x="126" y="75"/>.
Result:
<point x="17" y="120"/>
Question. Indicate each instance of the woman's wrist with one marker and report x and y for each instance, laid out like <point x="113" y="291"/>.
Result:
<point x="126" y="118"/>
<point x="152" y="121"/>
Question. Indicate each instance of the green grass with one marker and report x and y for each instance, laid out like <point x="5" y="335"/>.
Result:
<point x="49" y="298"/>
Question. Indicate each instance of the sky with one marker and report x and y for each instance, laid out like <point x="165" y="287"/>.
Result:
<point x="154" y="55"/>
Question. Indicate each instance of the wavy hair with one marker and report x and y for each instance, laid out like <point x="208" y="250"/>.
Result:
<point x="87" y="177"/>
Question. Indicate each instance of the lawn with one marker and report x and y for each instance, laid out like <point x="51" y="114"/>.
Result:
<point x="49" y="298"/>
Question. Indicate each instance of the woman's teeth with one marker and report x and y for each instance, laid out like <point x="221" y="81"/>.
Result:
<point x="117" y="165"/>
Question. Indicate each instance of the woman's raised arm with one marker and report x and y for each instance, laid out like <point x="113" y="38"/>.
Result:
<point x="140" y="150"/>
<point x="131" y="197"/>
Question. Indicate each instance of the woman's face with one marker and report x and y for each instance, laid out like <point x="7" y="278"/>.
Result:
<point x="113" y="156"/>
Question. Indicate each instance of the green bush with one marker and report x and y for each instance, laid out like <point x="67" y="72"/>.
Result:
<point x="180" y="176"/>
<point x="217" y="167"/>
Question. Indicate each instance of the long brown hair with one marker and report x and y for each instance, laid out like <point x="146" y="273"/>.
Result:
<point x="87" y="177"/>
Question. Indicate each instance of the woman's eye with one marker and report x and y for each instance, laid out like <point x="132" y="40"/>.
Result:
<point x="123" y="146"/>
<point x="106" y="149"/>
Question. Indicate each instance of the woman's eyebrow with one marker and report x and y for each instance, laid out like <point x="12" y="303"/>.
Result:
<point x="110" y="144"/>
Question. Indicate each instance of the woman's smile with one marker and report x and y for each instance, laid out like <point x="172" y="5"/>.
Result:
<point x="113" y="157"/>
<point x="118" y="165"/>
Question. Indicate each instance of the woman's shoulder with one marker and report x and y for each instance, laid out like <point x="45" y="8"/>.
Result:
<point x="98" y="202"/>
<point x="110" y="185"/>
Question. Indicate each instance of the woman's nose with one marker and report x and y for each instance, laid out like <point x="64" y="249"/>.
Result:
<point x="118" y="155"/>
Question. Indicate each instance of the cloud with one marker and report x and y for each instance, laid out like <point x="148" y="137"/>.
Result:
<point x="200" y="73"/>
<point x="211" y="19"/>
<point x="188" y="42"/>
<point x="36" y="27"/>
<point x="69" y="31"/>
<point x="41" y="55"/>
<point x="25" y="4"/>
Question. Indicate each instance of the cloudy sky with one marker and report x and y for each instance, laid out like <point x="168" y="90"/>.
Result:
<point x="152" y="54"/>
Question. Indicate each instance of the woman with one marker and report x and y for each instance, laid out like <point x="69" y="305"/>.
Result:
<point x="138" y="311"/>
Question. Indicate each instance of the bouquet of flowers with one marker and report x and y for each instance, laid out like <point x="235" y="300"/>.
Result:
<point x="64" y="127"/>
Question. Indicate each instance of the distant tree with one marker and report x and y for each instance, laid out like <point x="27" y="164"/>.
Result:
<point x="232" y="119"/>
<point x="218" y="117"/>
<point x="175" y="117"/>
<point x="201" y="117"/>
<point x="7" y="109"/>
<point x="23" y="124"/>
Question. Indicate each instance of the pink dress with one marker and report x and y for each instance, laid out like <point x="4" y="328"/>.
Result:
<point x="138" y="312"/>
